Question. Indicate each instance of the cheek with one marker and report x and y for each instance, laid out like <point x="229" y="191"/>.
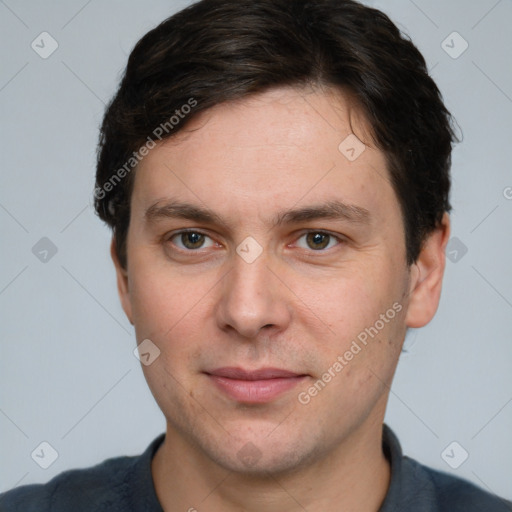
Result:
<point x="364" y="307"/>
<point x="161" y="297"/>
<point x="350" y="300"/>
<point x="152" y="307"/>
<point x="174" y="312"/>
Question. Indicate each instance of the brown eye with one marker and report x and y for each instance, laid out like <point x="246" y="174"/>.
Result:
<point x="189" y="240"/>
<point x="317" y="240"/>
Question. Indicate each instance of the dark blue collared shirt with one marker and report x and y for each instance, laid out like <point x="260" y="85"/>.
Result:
<point x="125" y="484"/>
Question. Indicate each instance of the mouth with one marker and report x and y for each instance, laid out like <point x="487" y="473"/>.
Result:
<point x="254" y="386"/>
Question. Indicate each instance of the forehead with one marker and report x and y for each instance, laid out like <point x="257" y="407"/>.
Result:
<point x="272" y="150"/>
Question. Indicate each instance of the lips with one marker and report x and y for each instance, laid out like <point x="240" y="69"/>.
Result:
<point x="262" y="374"/>
<point x="254" y="386"/>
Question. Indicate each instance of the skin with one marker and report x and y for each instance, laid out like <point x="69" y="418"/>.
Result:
<point x="298" y="306"/>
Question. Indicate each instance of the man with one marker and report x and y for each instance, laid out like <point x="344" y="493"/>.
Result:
<point x="276" y="174"/>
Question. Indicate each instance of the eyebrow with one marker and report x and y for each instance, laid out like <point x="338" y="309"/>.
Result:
<point x="332" y="210"/>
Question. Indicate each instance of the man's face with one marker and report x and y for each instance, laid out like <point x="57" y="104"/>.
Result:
<point x="318" y="284"/>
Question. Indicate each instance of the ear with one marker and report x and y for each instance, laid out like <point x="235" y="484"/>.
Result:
<point x="122" y="282"/>
<point x="427" y="277"/>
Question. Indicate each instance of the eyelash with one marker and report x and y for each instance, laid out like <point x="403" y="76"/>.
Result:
<point x="339" y="239"/>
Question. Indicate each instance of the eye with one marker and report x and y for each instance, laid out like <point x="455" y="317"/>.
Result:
<point x="190" y="240"/>
<point x="318" y="240"/>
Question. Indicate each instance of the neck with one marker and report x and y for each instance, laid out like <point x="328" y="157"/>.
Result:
<point x="355" y="476"/>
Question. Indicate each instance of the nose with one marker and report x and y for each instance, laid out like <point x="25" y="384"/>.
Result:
<point x="253" y="298"/>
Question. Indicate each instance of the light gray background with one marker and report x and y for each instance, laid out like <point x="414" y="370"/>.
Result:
<point x="68" y="374"/>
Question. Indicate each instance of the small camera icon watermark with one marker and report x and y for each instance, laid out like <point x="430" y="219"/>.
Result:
<point x="44" y="455"/>
<point x="146" y="352"/>
<point x="44" y="45"/>
<point x="249" y="454"/>
<point x="249" y="249"/>
<point x="455" y="249"/>
<point x="44" y="250"/>
<point x="454" y="45"/>
<point x="454" y="455"/>
<point x="351" y="147"/>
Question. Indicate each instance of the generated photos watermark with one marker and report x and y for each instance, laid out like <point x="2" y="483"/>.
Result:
<point x="160" y="132"/>
<point x="363" y="337"/>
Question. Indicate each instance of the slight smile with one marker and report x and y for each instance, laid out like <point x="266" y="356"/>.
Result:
<point x="256" y="386"/>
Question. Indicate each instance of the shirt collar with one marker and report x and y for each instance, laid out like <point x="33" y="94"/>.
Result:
<point x="409" y="485"/>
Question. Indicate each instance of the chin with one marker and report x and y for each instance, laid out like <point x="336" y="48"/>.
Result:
<point x="261" y="457"/>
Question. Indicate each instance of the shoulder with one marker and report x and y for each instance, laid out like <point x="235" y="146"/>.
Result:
<point x="416" y="487"/>
<point x="101" y="487"/>
<point x="448" y="493"/>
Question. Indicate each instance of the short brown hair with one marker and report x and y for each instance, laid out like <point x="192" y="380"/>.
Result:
<point x="216" y="51"/>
